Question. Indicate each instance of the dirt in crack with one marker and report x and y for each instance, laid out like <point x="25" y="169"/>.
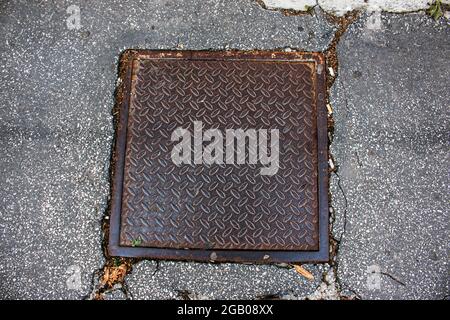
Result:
<point x="331" y="57"/>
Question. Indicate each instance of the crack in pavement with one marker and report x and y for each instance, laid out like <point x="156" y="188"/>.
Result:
<point x="344" y="214"/>
<point x="157" y="268"/>
<point x="338" y="242"/>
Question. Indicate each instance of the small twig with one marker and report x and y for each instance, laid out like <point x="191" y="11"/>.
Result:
<point x="393" y="278"/>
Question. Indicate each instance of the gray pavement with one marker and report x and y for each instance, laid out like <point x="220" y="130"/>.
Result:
<point x="391" y="144"/>
<point x="218" y="281"/>
<point x="57" y="91"/>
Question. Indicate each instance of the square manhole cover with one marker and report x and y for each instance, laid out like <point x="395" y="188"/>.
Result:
<point x="221" y="156"/>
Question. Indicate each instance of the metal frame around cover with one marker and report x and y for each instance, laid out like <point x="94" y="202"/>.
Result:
<point x="118" y="162"/>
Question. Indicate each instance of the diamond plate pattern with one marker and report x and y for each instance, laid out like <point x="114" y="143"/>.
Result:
<point x="221" y="206"/>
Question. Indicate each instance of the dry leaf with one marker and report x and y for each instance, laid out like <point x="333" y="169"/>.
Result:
<point x="112" y="275"/>
<point x="308" y="275"/>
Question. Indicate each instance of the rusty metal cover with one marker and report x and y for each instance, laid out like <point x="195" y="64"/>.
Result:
<point x="170" y="202"/>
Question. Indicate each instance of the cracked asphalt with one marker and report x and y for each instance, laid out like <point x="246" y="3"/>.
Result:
<point x="390" y="144"/>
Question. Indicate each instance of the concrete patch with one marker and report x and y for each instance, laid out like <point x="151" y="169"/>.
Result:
<point x="299" y="5"/>
<point x="341" y="7"/>
<point x="391" y="122"/>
